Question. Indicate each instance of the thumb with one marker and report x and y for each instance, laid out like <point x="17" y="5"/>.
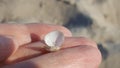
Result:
<point x="7" y="47"/>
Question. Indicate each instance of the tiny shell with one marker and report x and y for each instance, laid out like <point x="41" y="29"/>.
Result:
<point x="54" y="40"/>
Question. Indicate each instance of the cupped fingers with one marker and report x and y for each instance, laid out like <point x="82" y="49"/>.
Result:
<point x="21" y="34"/>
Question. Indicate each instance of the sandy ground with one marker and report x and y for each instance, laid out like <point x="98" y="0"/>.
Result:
<point x="95" y="19"/>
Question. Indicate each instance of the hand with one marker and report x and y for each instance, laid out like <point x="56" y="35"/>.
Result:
<point x="21" y="46"/>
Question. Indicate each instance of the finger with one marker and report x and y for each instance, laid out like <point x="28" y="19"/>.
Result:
<point x="17" y="31"/>
<point x="37" y="49"/>
<point x="38" y="31"/>
<point x="27" y="52"/>
<point x="78" y="57"/>
<point x="23" y="33"/>
<point x="11" y="37"/>
<point x="20" y="33"/>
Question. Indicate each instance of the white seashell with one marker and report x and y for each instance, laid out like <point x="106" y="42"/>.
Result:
<point x="54" y="40"/>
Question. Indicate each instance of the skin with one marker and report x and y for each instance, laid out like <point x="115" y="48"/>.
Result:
<point x="22" y="46"/>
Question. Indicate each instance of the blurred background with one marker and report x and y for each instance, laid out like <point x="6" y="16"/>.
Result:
<point x="98" y="20"/>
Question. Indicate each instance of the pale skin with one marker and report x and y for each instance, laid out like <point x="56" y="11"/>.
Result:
<point x="22" y="46"/>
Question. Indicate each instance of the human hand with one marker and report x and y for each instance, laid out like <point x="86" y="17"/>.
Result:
<point x="21" y="46"/>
